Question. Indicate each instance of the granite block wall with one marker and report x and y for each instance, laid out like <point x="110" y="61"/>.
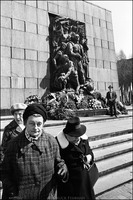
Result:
<point x="25" y="46"/>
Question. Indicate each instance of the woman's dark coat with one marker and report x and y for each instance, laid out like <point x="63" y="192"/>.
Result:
<point x="78" y="185"/>
<point x="10" y="131"/>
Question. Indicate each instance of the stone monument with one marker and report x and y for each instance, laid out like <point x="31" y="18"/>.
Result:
<point x="34" y="34"/>
<point x="69" y="62"/>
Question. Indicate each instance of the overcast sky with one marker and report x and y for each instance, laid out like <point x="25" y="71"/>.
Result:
<point x="122" y="23"/>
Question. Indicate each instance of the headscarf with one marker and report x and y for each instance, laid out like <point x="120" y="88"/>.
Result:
<point x="34" y="108"/>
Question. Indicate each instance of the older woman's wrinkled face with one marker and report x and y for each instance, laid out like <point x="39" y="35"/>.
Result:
<point x="72" y="139"/>
<point x="18" y="116"/>
<point x="34" y="125"/>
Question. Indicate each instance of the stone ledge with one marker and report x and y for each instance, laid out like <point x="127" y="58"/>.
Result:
<point x="80" y="113"/>
<point x="88" y="113"/>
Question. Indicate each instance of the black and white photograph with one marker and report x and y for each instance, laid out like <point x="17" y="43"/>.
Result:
<point x="66" y="100"/>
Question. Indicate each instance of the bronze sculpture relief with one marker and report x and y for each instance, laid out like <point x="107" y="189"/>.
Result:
<point x="69" y="61"/>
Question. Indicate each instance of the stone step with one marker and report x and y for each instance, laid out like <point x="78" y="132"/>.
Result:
<point x="108" y="148"/>
<point x="80" y="113"/>
<point x="10" y="117"/>
<point x="114" y="163"/>
<point x="123" y="191"/>
<point x="112" y="180"/>
<point x="110" y="151"/>
<point x="7" y="119"/>
<point x="111" y="141"/>
<point x="113" y="156"/>
<point x="109" y="135"/>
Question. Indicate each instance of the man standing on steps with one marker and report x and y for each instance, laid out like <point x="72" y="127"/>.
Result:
<point x="111" y="100"/>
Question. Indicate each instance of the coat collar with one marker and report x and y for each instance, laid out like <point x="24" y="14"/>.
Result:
<point x="63" y="140"/>
<point x="25" y="144"/>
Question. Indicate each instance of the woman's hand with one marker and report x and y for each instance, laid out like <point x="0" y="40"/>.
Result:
<point x="63" y="172"/>
<point x="89" y="158"/>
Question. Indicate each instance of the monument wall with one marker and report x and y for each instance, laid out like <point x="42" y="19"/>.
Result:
<point x="25" y="47"/>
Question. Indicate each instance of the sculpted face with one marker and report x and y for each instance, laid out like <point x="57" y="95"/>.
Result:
<point x="34" y="125"/>
<point x="77" y="37"/>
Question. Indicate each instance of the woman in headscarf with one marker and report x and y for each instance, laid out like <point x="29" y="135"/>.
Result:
<point x="32" y="162"/>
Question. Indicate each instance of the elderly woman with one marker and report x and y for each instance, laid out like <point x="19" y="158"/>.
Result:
<point x="75" y="150"/>
<point x="32" y="161"/>
<point x="15" y="126"/>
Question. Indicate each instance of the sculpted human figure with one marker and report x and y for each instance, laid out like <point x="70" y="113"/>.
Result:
<point x="85" y="60"/>
<point x="75" y="52"/>
<point x="68" y="38"/>
<point x="66" y="75"/>
<point x="57" y="55"/>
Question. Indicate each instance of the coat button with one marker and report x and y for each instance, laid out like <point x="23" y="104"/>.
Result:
<point x="38" y="183"/>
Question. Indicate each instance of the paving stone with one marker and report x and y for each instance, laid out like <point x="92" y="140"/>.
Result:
<point x="5" y="51"/>
<point x="31" y="14"/>
<point x="5" y="66"/>
<point x="63" y="11"/>
<point x="102" y="23"/>
<point x="17" y="53"/>
<point x="105" y="44"/>
<point x="31" y="27"/>
<point x="5" y="37"/>
<point x="18" y="24"/>
<point x="121" y="192"/>
<point x="6" y="22"/>
<point x="42" y="5"/>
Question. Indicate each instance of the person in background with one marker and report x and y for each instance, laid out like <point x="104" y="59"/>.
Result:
<point x="15" y="126"/>
<point x="32" y="161"/>
<point x="111" y="97"/>
<point x="75" y="150"/>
